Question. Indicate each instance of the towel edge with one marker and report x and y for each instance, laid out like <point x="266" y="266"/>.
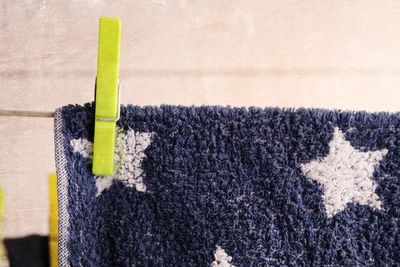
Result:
<point x="62" y="189"/>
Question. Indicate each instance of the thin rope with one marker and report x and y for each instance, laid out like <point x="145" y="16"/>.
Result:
<point x="26" y="113"/>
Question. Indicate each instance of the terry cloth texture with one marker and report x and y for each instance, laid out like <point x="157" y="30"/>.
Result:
<point x="221" y="186"/>
<point x="29" y="251"/>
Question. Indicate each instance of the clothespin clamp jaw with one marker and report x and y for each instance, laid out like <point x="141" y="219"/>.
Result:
<point x="107" y="103"/>
<point x="116" y="119"/>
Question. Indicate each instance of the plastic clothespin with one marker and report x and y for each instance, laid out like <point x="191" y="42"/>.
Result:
<point x="107" y="96"/>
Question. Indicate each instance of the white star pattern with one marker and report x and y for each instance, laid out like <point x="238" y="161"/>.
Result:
<point x="222" y="259"/>
<point x="345" y="174"/>
<point x="129" y="154"/>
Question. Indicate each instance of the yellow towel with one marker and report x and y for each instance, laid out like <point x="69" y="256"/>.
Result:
<point x="53" y="237"/>
<point x="1" y="210"/>
<point x="3" y="256"/>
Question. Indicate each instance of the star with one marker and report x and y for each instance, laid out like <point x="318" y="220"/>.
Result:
<point x="128" y="157"/>
<point x="346" y="175"/>
<point x="222" y="259"/>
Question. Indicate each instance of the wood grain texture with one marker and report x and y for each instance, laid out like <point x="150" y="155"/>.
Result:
<point x="266" y="53"/>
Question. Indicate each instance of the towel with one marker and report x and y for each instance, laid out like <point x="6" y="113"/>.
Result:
<point x="53" y="220"/>
<point x="28" y="251"/>
<point x="223" y="186"/>
<point x="3" y="253"/>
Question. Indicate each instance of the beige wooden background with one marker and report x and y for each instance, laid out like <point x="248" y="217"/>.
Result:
<point x="332" y="54"/>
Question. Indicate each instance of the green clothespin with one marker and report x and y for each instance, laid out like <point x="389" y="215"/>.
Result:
<point x="107" y="96"/>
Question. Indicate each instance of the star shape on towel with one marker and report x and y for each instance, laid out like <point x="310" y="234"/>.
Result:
<point x="222" y="259"/>
<point x="128" y="157"/>
<point x="346" y="175"/>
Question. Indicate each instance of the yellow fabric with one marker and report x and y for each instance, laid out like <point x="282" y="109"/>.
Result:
<point x="53" y="237"/>
<point x="3" y="256"/>
<point x="1" y="210"/>
<point x="107" y="102"/>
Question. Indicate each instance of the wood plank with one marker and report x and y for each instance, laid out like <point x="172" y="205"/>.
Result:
<point x="265" y="53"/>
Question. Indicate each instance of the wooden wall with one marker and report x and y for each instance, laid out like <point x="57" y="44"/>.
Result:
<point x="331" y="54"/>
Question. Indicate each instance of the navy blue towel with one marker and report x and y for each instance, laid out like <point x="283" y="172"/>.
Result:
<point x="221" y="186"/>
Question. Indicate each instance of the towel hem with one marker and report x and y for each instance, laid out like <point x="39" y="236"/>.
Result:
<point x="62" y="189"/>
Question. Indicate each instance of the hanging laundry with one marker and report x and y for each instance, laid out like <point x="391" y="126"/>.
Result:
<point x="53" y="236"/>
<point x="221" y="186"/>
<point x="28" y="251"/>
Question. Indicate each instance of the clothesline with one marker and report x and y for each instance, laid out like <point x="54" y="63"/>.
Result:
<point x="26" y="113"/>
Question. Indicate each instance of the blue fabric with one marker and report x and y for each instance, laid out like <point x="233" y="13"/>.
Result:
<point x="230" y="177"/>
